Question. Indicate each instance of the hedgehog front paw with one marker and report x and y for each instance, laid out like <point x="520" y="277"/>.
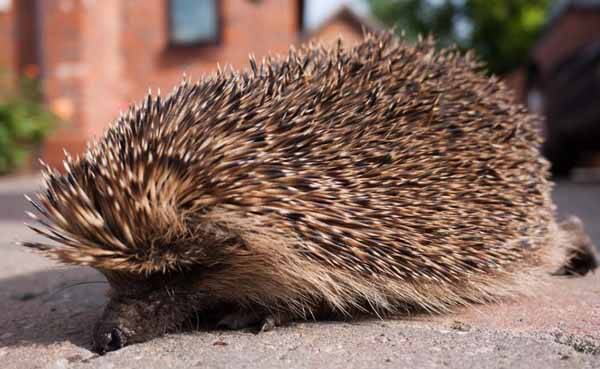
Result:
<point x="238" y="320"/>
<point x="251" y="320"/>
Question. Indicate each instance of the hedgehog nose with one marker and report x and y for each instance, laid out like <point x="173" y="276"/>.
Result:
<point x="109" y="341"/>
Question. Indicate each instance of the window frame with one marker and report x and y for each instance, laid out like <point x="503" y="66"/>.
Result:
<point x="172" y="44"/>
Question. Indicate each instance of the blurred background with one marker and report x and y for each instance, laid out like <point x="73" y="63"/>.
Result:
<point x="67" y="67"/>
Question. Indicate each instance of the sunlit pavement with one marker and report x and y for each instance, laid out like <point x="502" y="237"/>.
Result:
<point x="42" y="326"/>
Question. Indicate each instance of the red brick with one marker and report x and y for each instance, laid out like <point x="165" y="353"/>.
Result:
<point x="98" y="56"/>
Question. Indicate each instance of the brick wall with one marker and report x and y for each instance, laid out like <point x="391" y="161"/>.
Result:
<point x="248" y="27"/>
<point x="63" y="73"/>
<point x="104" y="83"/>
<point x="99" y="56"/>
<point x="7" y="45"/>
<point x="18" y="40"/>
<point x="26" y="37"/>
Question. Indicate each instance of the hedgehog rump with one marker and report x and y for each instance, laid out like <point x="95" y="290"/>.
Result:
<point x="375" y="177"/>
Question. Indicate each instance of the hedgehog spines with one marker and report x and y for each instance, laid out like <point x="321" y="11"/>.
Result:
<point x="384" y="173"/>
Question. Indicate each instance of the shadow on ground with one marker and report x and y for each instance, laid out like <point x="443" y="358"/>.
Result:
<point x="41" y="308"/>
<point x="62" y="305"/>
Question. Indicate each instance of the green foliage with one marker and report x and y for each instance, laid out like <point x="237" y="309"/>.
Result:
<point x="500" y="31"/>
<point x="24" y="123"/>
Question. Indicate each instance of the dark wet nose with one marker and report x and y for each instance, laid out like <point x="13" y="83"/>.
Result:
<point x="108" y="341"/>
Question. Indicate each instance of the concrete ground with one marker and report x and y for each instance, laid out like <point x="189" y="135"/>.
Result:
<point x="43" y="325"/>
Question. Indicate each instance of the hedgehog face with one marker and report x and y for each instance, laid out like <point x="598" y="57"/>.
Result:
<point x="128" y="320"/>
<point x="142" y="308"/>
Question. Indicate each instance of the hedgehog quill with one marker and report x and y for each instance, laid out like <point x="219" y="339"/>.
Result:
<point x="368" y="180"/>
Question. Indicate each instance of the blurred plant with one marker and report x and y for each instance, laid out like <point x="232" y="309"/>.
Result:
<point x="24" y="123"/>
<point x="500" y="31"/>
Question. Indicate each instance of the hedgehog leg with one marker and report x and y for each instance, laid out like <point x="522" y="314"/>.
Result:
<point x="256" y="320"/>
<point x="239" y="320"/>
<point x="581" y="253"/>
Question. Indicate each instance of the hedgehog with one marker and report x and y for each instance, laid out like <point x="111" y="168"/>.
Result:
<point x="385" y="178"/>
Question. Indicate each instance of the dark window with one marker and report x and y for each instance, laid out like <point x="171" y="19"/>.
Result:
<point x="194" y="22"/>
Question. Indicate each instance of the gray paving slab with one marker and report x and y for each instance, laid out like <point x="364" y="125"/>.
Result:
<point x="43" y="325"/>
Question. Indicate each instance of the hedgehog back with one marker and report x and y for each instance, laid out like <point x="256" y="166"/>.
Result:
<point x="384" y="159"/>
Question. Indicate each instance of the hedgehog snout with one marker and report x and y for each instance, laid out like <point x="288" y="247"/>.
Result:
<point x="104" y="342"/>
<point x="140" y="316"/>
<point x="123" y="321"/>
<point x="109" y="332"/>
